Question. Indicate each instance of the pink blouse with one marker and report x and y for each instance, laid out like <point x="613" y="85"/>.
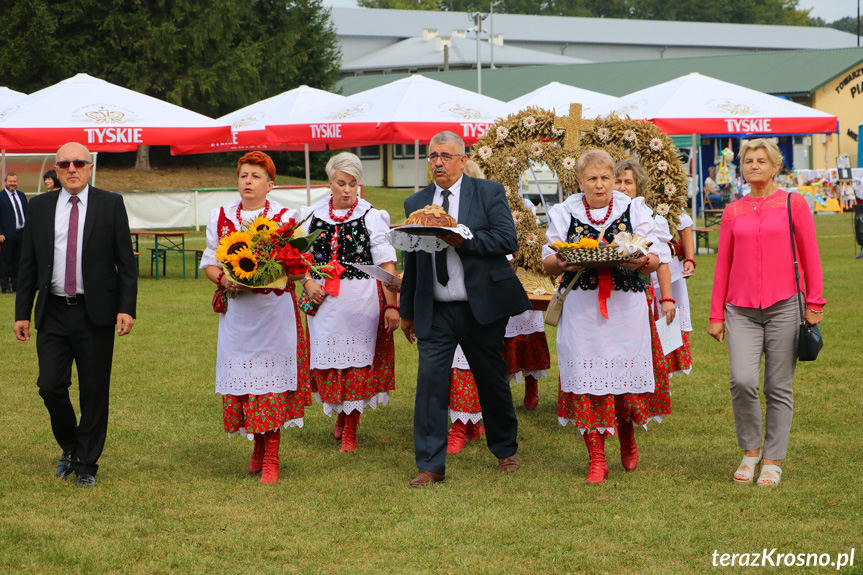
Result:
<point x="754" y="267"/>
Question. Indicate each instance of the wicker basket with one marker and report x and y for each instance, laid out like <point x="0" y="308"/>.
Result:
<point x="601" y="257"/>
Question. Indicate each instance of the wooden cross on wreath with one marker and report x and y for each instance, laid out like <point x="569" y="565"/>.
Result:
<point x="574" y="125"/>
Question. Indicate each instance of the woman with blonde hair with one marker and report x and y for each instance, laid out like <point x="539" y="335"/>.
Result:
<point x="755" y="302"/>
<point x="352" y="350"/>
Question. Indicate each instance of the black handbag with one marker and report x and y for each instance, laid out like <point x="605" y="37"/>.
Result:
<point x="809" y="342"/>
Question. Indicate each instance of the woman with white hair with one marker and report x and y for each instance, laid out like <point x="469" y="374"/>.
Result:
<point x="352" y="351"/>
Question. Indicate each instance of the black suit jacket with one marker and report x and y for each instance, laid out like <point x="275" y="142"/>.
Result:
<point x="493" y="289"/>
<point x="7" y="213"/>
<point x="107" y="261"/>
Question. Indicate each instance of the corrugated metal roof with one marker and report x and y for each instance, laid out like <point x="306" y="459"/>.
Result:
<point x="419" y="53"/>
<point x="791" y="73"/>
<point x="527" y="28"/>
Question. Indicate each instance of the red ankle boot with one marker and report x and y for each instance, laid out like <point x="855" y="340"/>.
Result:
<point x="628" y="449"/>
<point x="474" y="431"/>
<point x="340" y="426"/>
<point x="531" y="392"/>
<point x="598" y="469"/>
<point x="271" y="457"/>
<point x="456" y="437"/>
<point x="349" y="435"/>
<point x="256" y="463"/>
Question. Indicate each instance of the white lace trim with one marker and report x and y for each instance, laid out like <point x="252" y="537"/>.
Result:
<point x="525" y="323"/>
<point x="611" y="430"/>
<point x="465" y="417"/>
<point x="517" y="376"/>
<point x="251" y="436"/>
<point x="343" y="350"/>
<point x="258" y="375"/>
<point x="411" y="243"/>
<point x="679" y="371"/>
<point x="380" y="399"/>
<point x="606" y="375"/>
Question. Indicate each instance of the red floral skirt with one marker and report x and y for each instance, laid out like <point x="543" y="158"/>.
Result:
<point x="261" y="413"/>
<point x="680" y="360"/>
<point x="360" y="383"/>
<point x="527" y="353"/>
<point x="463" y="396"/>
<point x="601" y="412"/>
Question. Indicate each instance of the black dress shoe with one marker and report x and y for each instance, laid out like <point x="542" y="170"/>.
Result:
<point x="64" y="466"/>
<point x="86" y="480"/>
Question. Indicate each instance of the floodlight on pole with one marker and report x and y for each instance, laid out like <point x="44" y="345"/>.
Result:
<point x="491" y="25"/>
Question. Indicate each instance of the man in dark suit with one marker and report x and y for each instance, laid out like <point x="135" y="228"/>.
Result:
<point x="13" y="214"/>
<point x="77" y="253"/>
<point x="464" y="295"/>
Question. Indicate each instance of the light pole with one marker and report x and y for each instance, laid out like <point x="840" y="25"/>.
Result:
<point x="477" y="18"/>
<point x="491" y="25"/>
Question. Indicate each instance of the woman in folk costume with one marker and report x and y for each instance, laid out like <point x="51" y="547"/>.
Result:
<point x="352" y="351"/>
<point x="603" y="338"/>
<point x="669" y="280"/>
<point x="464" y="410"/>
<point x="262" y="366"/>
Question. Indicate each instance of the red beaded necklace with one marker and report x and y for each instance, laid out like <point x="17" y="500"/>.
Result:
<point x="240" y="207"/>
<point x="590" y="218"/>
<point x="345" y="217"/>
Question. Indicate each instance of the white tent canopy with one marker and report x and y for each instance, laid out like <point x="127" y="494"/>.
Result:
<point x="102" y="116"/>
<point x="248" y="124"/>
<point x="697" y="104"/>
<point x="556" y="96"/>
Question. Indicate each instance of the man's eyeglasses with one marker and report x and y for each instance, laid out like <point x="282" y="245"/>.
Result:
<point x="446" y="157"/>
<point x="64" y="165"/>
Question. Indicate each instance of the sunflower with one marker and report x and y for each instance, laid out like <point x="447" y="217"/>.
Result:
<point x="244" y="264"/>
<point x="262" y="225"/>
<point x="231" y="244"/>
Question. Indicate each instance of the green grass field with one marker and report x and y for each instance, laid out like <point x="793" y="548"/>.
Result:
<point x="174" y="495"/>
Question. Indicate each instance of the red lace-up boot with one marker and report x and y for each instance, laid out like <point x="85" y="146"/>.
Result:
<point x="474" y="431"/>
<point x="271" y="457"/>
<point x="598" y="469"/>
<point x="349" y="435"/>
<point x="531" y="392"/>
<point x="456" y="437"/>
<point x="340" y="426"/>
<point x="256" y="463"/>
<point x="628" y="449"/>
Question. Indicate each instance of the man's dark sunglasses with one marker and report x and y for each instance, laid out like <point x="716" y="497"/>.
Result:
<point x="64" y="165"/>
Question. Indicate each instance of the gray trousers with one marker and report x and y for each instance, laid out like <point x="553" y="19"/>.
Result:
<point x="773" y="333"/>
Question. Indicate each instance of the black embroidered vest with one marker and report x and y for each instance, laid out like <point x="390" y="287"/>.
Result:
<point x="623" y="280"/>
<point x="354" y="245"/>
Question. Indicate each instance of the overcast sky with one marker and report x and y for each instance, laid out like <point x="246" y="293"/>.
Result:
<point x="830" y="10"/>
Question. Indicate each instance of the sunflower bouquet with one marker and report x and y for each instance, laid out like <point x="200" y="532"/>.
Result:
<point x="589" y="252"/>
<point x="264" y="253"/>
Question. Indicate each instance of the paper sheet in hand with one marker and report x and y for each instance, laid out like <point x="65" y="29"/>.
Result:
<point x="379" y="273"/>
<point x="669" y="335"/>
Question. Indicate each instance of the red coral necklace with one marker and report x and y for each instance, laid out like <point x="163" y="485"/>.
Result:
<point x="240" y="207"/>
<point x="345" y="217"/>
<point x="590" y="218"/>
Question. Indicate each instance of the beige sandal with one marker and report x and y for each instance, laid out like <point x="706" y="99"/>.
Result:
<point x="747" y="469"/>
<point x="769" y="481"/>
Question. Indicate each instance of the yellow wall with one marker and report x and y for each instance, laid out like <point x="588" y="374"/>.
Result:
<point x="842" y="97"/>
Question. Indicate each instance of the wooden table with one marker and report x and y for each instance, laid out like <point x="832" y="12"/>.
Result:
<point x="712" y="217"/>
<point x="172" y="241"/>
<point x="703" y="234"/>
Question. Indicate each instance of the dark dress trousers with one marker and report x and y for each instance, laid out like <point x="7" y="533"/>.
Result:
<point x="10" y="249"/>
<point x="494" y="293"/>
<point x="85" y="332"/>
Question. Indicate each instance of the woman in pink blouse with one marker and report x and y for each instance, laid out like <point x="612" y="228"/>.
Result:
<point x="755" y="296"/>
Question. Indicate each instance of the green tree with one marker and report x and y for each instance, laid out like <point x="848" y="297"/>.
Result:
<point x="212" y="59"/>
<point x="847" y="24"/>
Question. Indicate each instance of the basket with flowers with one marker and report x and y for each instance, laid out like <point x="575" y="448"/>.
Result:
<point x="592" y="253"/>
<point x="264" y="253"/>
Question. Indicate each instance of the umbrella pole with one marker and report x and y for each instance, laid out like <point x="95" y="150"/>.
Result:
<point x="308" y="177"/>
<point x="3" y="164"/>
<point x="693" y="158"/>
<point x="416" y="166"/>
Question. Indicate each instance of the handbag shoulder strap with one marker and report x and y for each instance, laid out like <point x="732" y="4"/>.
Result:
<point x="794" y="255"/>
<point x="571" y="283"/>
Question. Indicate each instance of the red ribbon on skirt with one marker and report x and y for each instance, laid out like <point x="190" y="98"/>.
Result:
<point x="604" y="291"/>
<point x="335" y="270"/>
